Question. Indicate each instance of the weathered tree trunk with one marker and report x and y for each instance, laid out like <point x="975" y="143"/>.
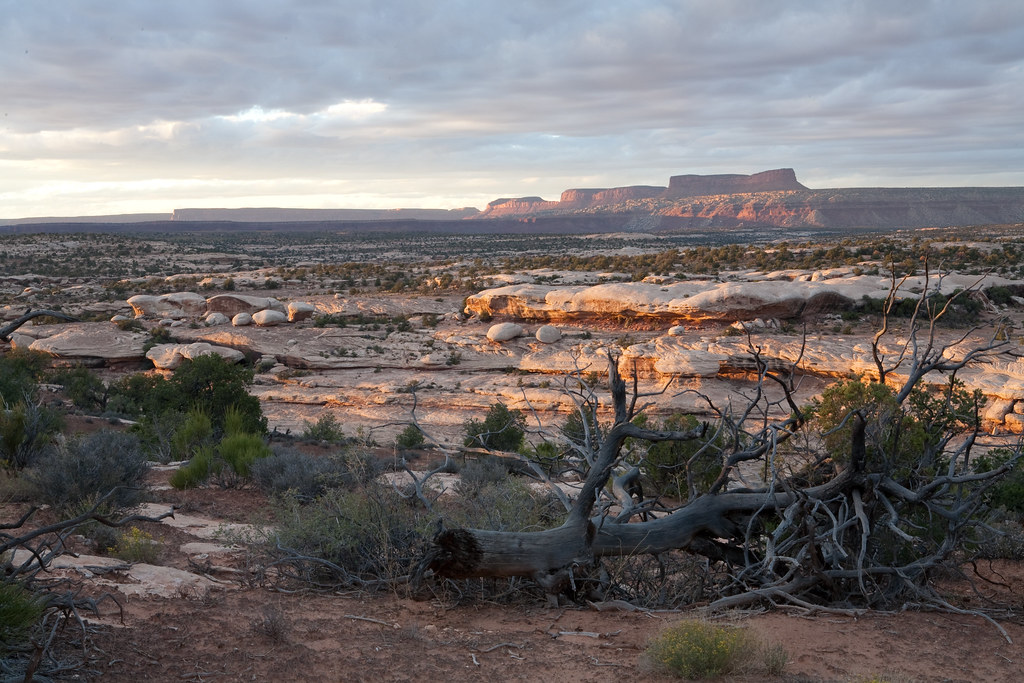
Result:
<point x="9" y="329"/>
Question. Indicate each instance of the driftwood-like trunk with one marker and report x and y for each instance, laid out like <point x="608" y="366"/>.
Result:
<point x="10" y="328"/>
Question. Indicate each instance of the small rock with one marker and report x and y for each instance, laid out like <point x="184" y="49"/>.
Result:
<point x="166" y="322"/>
<point x="504" y="332"/>
<point x="120" y="318"/>
<point x="216" y="319"/>
<point x="548" y="334"/>
<point x="676" y="331"/>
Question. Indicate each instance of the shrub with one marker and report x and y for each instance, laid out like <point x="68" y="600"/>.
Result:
<point x="501" y="430"/>
<point x="668" y="464"/>
<point x="326" y="428"/>
<point x="239" y="451"/>
<point x="20" y="611"/>
<point x="215" y="385"/>
<point x="698" y="649"/>
<point x="369" y="533"/>
<point x="19" y="373"/>
<point x="410" y="437"/>
<point x="136" y="545"/>
<point x="196" y="471"/>
<point x="26" y="430"/>
<point x="82" y="387"/>
<point x="75" y="476"/>
<point x="194" y="431"/>
<point x="302" y="475"/>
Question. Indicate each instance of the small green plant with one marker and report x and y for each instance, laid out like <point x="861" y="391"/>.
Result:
<point x="410" y="437"/>
<point x="698" y="649"/>
<point x="501" y="430"/>
<point x="136" y="545"/>
<point x="20" y="611"/>
<point x="326" y="428"/>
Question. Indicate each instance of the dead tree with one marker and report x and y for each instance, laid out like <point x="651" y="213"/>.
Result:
<point x="866" y="532"/>
<point x="7" y="330"/>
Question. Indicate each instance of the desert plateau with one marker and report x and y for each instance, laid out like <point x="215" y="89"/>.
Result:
<point x="386" y="349"/>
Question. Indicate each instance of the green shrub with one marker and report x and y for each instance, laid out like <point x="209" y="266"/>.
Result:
<point x="1008" y="493"/>
<point x="196" y="471"/>
<point x="667" y="464"/>
<point x="20" y="611"/>
<point x="326" y="428"/>
<point x="410" y="437"/>
<point x="26" y="430"/>
<point x="74" y="476"/>
<point x="19" y="373"/>
<point x="501" y="430"/>
<point x="239" y="451"/>
<point x="84" y="389"/>
<point x="195" y="431"/>
<point x="698" y="649"/>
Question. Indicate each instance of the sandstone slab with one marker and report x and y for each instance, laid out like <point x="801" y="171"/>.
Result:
<point x="101" y="342"/>
<point x="233" y="304"/>
<point x="174" y="305"/>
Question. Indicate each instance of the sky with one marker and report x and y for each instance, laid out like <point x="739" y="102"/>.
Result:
<point x="129" y="106"/>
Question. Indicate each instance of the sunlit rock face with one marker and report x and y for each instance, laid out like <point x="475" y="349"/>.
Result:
<point x="174" y="305"/>
<point x="685" y="301"/>
<point x="170" y="356"/>
<point x="233" y="304"/>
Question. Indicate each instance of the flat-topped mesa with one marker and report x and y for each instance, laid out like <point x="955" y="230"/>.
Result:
<point x="584" y="198"/>
<point x="780" y="179"/>
<point x="508" y="206"/>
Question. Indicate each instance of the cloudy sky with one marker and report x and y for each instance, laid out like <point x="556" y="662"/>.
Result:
<point x="142" y="106"/>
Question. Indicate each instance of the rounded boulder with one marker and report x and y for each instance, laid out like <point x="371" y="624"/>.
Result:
<point x="504" y="332"/>
<point x="548" y="334"/>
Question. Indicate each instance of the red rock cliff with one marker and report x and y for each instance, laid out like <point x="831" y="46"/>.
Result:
<point x="733" y="183"/>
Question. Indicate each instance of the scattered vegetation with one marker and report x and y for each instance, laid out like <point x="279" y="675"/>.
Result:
<point x="699" y="649"/>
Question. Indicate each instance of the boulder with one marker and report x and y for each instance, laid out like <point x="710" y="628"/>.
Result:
<point x="120" y="318"/>
<point x="170" y="356"/>
<point x="233" y="304"/>
<point x="20" y="342"/>
<point x="241" y="320"/>
<point x="548" y="334"/>
<point x="269" y="318"/>
<point x="504" y="332"/>
<point x="1015" y="423"/>
<point x="300" y="310"/>
<point x="104" y="343"/>
<point x="676" y="331"/>
<point x="174" y="305"/>
<point x="997" y="409"/>
<point x="216" y="318"/>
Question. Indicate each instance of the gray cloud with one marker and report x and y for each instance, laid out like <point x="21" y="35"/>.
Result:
<point x="529" y="96"/>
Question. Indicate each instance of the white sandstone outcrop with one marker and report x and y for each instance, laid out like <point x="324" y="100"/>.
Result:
<point x="87" y="342"/>
<point x="233" y="304"/>
<point x="174" y="305"/>
<point x="170" y="356"/>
